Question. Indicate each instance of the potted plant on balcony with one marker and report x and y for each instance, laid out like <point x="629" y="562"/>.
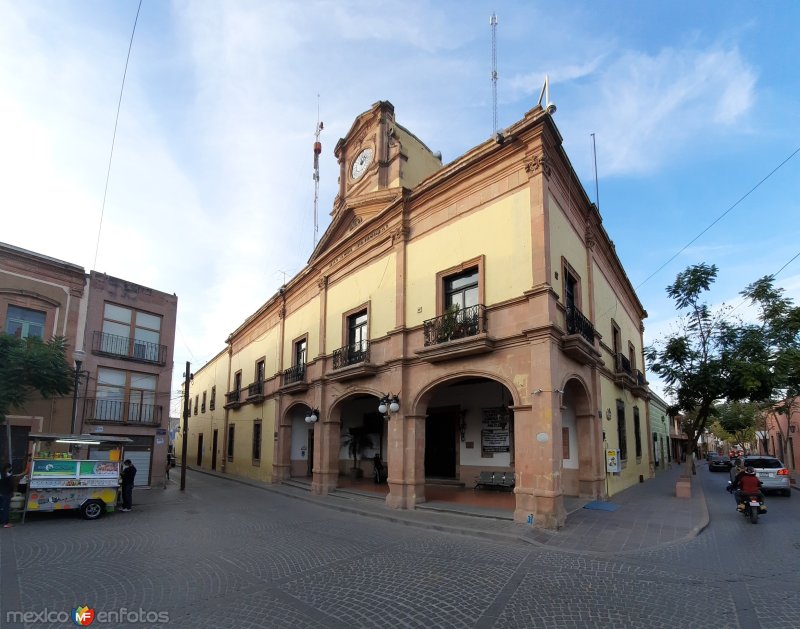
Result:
<point x="450" y="325"/>
<point x="356" y="440"/>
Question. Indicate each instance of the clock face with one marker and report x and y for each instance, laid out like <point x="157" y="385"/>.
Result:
<point x="361" y="163"/>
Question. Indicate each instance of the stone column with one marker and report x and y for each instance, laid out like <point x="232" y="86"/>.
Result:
<point x="406" y="458"/>
<point x="591" y="476"/>
<point x="538" y="462"/>
<point x="325" y="467"/>
<point x="282" y="453"/>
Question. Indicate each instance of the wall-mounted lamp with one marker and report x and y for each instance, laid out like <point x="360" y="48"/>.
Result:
<point x="313" y="416"/>
<point x="389" y="404"/>
<point x="608" y="414"/>
<point x="561" y="391"/>
<point x="792" y="428"/>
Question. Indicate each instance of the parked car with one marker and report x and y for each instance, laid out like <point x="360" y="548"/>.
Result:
<point x="769" y="470"/>
<point x="720" y="464"/>
<point x="711" y="455"/>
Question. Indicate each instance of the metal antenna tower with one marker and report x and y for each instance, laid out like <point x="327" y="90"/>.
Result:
<point x="493" y="24"/>
<point x="317" y="151"/>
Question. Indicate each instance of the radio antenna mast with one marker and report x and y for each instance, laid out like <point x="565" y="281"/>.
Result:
<point x="493" y="25"/>
<point x="317" y="151"/>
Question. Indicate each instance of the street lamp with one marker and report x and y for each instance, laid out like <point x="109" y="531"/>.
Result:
<point x="313" y="416"/>
<point x="389" y="403"/>
<point x="77" y="356"/>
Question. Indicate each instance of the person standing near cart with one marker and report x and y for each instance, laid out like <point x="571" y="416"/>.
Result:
<point x="6" y="491"/>
<point x="127" y="476"/>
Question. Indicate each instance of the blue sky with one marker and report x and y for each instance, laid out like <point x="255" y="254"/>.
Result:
<point x="211" y="195"/>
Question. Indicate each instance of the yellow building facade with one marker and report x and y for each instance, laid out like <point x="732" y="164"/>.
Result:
<point x="483" y="297"/>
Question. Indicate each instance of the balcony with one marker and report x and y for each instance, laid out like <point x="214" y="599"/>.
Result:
<point x="126" y="348"/>
<point x="352" y="361"/>
<point x="624" y="375"/>
<point x="102" y="411"/>
<point x="255" y="392"/>
<point x="233" y="399"/>
<point x="455" y="335"/>
<point x="293" y="380"/>
<point x="578" y="343"/>
<point x="640" y="388"/>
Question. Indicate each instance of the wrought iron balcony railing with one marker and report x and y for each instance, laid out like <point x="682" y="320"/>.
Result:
<point x="232" y="396"/>
<point x="351" y="355"/>
<point x="128" y="348"/>
<point x="577" y="323"/>
<point x="120" y="412"/>
<point x="458" y="324"/>
<point x="255" y="388"/>
<point x="640" y="379"/>
<point x="623" y="365"/>
<point x="293" y="374"/>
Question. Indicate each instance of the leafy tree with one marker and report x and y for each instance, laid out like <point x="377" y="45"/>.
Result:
<point x="738" y="420"/>
<point x="709" y="359"/>
<point x="32" y="365"/>
<point x="780" y="330"/>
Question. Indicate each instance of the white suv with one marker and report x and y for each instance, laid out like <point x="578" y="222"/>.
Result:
<point x="769" y="470"/>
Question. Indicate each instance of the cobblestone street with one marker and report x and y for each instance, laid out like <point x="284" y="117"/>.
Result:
<point x="225" y="554"/>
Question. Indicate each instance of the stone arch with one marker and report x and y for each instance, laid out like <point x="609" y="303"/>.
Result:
<point x="422" y="398"/>
<point x="582" y="469"/>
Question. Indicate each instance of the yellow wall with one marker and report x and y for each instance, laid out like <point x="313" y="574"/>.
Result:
<point x="374" y="283"/>
<point x="608" y="307"/>
<point x="266" y="347"/>
<point x="565" y="242"/>
<point x="501" y="231"/>
<point x="633" y="469"/>
<point x="243" y="420"/>
<point x="302" y="321"/>
<point x="420" y="162"/>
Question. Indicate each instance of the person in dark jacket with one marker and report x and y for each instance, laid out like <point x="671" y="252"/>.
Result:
<point x="127" y="476"/>
<point x="746" y="483"/>
<point x="6" y="491"/>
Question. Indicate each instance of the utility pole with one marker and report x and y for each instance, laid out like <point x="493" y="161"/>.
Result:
<point x="185" y="444"/>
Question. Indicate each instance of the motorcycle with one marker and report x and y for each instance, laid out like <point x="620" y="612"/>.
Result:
<point x="752" y="505"/>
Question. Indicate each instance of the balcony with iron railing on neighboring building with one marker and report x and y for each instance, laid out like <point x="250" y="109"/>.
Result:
<point x="255" y="391"/>
<point x="293" y="379"/>
<point x="126" y="348"/>
<point x="232" y="399"/>
<point x="352" y="361"/>
<point x="100" y="411"/>
<point x="578" y="343"/>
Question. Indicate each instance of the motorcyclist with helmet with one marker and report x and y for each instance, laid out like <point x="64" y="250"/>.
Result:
<point x="746" y="483"/>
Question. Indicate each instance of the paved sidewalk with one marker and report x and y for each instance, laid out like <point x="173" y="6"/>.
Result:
<point x="648" y="515"/>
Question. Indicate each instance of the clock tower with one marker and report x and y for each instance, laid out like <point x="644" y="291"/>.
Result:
<point x="378" y="159"/>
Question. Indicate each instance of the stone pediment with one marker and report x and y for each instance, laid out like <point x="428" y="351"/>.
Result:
<point x="357" y="211"/>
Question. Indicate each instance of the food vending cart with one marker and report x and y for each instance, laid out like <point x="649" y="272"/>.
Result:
<point x="63" y="475"/>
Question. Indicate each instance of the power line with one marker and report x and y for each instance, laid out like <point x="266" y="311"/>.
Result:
<point x="114" y="135"/>
<point x="719" y="218"/>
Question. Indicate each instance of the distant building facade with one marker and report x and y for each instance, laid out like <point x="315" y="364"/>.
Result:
<point x="453" y="319"/>
<point x="123" y="335"/>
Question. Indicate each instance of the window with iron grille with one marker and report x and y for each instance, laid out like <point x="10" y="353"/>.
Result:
<point x="203" y="403"/>
<point x="256" y="441"/>
<point x="260" y="371"/>
<point x="230" y="441"/>
<point x="196" y="400"/>
<point x="621" y="431"/>
<point x="637" y="432"/>
<point x="213" y="401"/>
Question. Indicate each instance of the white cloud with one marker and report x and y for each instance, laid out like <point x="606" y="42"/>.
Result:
<point x="651" y="108"/>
